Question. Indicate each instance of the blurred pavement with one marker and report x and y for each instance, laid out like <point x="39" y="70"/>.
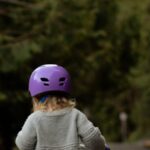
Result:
<point x="127" y="146"/>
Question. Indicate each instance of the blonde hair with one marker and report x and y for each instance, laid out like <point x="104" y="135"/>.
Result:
<point x="52" y="103"/>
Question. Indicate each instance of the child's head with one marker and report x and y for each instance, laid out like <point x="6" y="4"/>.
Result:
<point x="52" y="81"/>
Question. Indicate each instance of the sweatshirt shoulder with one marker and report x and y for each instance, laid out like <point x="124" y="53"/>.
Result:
<point x="77" y="112"/>
<point x="35" y="116"/>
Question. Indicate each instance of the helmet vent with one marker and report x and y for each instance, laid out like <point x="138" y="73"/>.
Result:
<point x="61" y="84"/>
<point x="46" y="84"/>
<point x="62" y="81"/>
<point x="45" y="81"/>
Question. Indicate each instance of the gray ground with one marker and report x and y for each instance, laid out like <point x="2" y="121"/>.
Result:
<point x="133" y="146"/>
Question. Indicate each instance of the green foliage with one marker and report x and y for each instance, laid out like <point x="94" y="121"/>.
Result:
<point x="141" y="78"/>
<point x="100" y="42"/>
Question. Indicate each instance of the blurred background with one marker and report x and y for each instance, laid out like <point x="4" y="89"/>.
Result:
<point x="104" y="44"/>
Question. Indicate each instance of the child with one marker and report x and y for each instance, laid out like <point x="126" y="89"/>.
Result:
<point x="55" y="124"/>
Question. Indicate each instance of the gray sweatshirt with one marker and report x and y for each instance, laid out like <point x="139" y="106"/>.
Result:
<point x="59" y="130"/>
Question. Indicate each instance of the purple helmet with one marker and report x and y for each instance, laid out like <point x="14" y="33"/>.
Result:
<point x="49" y="78"/>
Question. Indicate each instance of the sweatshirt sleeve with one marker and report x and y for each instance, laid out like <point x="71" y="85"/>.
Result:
<point x="89" y="134"/>
<point x="26" y="138"/>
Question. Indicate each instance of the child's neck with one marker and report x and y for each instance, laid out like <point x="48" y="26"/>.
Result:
<point x="52" y="107"/>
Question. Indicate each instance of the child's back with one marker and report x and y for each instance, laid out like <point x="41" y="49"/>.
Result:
<point x="55" y="124"/>
<point x="59" y="130"/>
